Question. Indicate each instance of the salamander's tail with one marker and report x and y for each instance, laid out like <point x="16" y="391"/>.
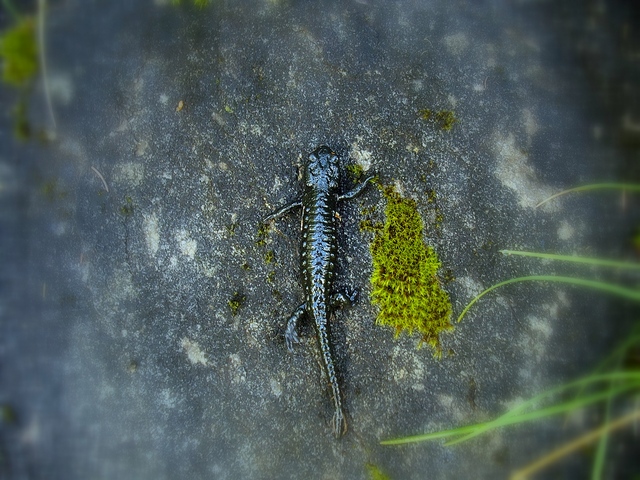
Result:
<point x="339" y="423"/>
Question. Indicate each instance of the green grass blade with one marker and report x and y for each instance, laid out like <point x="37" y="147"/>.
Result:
<point x="549" y="411"/>
<point x="619" y="355"/>
<point x="515" y="415"/>
<point x="603" y="443"/>
<point x="582" y="383"/>
<point x="632" y="187"/>
<point x="616" y="357"/>
<point x="620" y="351"/>
<point x="598" y="262"/>
<point x="624" y="292"/>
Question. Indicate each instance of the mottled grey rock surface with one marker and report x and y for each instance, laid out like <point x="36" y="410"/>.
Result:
<point x="120" y="355"/>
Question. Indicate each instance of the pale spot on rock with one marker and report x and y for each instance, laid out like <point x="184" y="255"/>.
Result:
<point x="565" y="231"/>
<point x="187" y="245"/>
<point x="514" y="172"/>
<point x="194" y="352"/>
<point x="151" y="233"/>
<point x="456" y="44"/>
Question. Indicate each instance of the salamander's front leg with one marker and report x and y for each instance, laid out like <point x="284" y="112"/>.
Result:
<point x="290" y="334"/>
<point x="339" y="300"/>
<point x="356" y="191"/>
<point x="282" y="211"/>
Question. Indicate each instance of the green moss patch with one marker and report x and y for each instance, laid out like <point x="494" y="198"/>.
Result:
<point x="404" y="281"/>
<point x="197" y="3"/>
<point x="355" y="171"/>
<point x="375" y="473"/>
<point x="445" y="119"/>
<point x="236" y="302"/>
<point x="19" y="53"/>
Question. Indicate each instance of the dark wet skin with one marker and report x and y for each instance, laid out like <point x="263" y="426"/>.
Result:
<point x="319" y="250"/>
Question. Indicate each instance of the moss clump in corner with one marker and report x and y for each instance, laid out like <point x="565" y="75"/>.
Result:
<point x="375" y="473"/>
<point x="197" y="3"/>
<point x="126" y="210"/>
<point x="404" y="282"/>
<point x="270" y="256"/>
<point x="445" y="119"/>
<point x="19" y="53"/>
<point x="261" y="237"/>
<point x="425" y="113"/>
<point x="19" y="63"/>
<point x="236" y="302"/>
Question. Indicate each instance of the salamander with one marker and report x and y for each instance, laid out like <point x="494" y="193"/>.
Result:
<point x="319" y="249"/>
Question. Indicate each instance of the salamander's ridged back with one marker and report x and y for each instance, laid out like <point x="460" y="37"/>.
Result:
<point x="319" y="246"/>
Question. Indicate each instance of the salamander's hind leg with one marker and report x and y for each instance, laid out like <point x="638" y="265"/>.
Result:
<point x="290" y="334"/>
<point x="282" y="211"/>
<point x="342" y="299"/>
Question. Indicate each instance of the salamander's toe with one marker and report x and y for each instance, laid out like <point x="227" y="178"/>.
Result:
<point x="291" y="337"/>
<point x="339" y="424"/>
<point x="353" y="296"/>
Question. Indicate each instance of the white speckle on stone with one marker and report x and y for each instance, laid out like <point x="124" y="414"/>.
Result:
<point x="187" y="245"/>
<point x="238" y="374"/>
<point x="151" y="233"/>
<point x="530" y="124"/>
<point x="141" y="148"/>
<point x="535" y="343"/>
<point x="540" y="325"/>
<point x="446" y="401"/>
<point x="456" y="44"/>
<point x="164" y="99"/>
<point x="597" y="131"/>
<point x="514" y="172"/>
<point x="412" y="148"/>
<point x="471" y="286"/>
<point x="516" y="401"/>
<point x="208" y="270"/>
<point x="194" y="352"/>
<point x="563" y="298"/>
<point x="61" y="88"/>
<point x="59" y="228"/>
<point x="167" y="399"/>
<point x="129" y="173"/>
<point x="399" y="374"/>
<point x="565" y="230"/>
<point x="219" y="119"/>
<point x="361" y="156"/>
<point x="276" y="389"/>
<point x="138" y="85"/>
<point x="31" y="434"/>
<point x="122" y="127"/>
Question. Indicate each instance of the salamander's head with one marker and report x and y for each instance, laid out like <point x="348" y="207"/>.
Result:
<point x="322" y="169"/>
